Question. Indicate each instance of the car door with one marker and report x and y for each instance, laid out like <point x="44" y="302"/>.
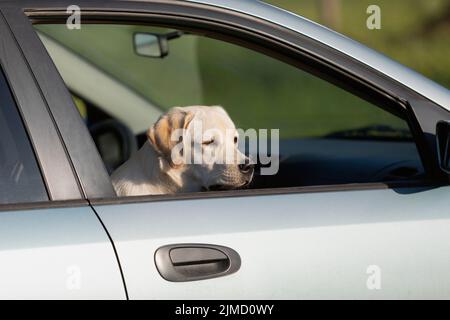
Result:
<point x="358" y="240"/>
<point x="52" y="245"/>
<point x="365" y="244"/>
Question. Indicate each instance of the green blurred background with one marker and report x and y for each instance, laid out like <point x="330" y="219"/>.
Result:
<point x="413" y="32"/>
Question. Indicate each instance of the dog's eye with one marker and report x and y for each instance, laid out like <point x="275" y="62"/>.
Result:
<point x="235" y="140"/>
<point x="208" y="142"/>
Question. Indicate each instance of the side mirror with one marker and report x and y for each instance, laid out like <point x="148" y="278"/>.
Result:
<point x="150" y="45"/>
<point x="443" y="144"/>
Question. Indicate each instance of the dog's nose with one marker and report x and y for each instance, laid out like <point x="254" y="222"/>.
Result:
<point x="246" y="167"/>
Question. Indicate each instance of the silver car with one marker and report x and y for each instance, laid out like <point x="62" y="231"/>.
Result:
<point x="359" y="208"/>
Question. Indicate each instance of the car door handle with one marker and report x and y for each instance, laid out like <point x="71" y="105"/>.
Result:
<point x="190" y="262"/>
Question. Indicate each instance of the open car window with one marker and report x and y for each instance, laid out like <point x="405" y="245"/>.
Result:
<point x="326" y="134"/>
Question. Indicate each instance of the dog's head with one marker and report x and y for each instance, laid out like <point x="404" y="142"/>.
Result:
<point x="201" y="143"/>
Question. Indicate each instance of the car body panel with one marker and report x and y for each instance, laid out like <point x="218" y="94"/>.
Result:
<point x="354" y="49"/>
<point x="57" y="253"/>
<point x="298" y="246"/>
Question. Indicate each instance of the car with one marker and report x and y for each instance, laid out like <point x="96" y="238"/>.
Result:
<point x="357" y="210"/>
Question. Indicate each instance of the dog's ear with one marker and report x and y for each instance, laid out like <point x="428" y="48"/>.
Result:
<point x="160" y="133"/>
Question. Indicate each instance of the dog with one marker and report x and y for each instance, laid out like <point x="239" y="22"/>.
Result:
<point x="163" y="165"/>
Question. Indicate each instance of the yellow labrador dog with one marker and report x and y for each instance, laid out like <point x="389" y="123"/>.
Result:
<point x="189" y="149"/>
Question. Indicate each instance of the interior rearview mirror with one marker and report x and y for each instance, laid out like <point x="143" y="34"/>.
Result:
<point x="443" y="144"/>
<point x="154" y="45"/>
<point x="150" y="45"/>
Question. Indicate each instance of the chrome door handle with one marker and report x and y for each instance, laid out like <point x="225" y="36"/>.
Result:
<point x="189" y="262"/>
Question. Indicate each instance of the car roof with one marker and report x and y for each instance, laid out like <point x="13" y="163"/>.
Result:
<point x="352" y="48"/>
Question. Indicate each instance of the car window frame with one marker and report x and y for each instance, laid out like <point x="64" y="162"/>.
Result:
<point x="16" y="148"/>
<point x="78" y="144"/>
<point x="223" y="23"/>
<point x="49" y="153"/>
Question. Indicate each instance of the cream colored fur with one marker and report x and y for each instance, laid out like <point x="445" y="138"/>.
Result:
<point x="152" y="170"/>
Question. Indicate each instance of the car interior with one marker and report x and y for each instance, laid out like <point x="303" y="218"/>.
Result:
<point x="327" y="135"/>
<point x="340" y="158"/>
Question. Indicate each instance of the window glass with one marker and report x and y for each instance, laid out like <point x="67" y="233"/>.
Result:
<point x="20" y="178"/>
<point x="327" y="135"/>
